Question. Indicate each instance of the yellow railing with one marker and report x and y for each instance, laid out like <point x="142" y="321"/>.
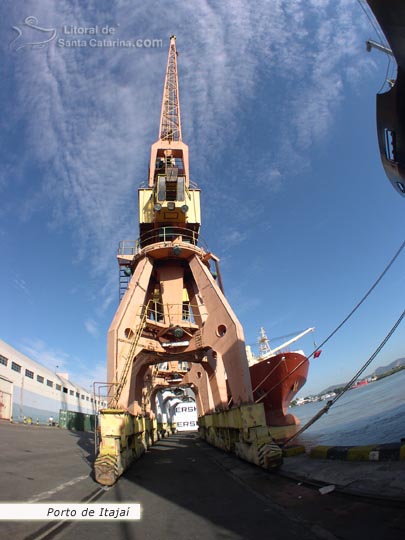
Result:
<point x="162" y="234"/>
<point x="182" y="314"/>
<point x="129" y="358"/>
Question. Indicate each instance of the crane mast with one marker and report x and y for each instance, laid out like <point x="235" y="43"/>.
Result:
<point x="170" y="123"/>
<point x="169" y="200"/>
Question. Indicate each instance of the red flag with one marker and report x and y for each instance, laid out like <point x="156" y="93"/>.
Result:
<point x="317" y="354"/>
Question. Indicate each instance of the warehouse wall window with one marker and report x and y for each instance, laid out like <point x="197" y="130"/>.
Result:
<point x="15" y="367"/>
<point x="29" y="374"/>
<point x="3" y="360"/>
<point x="40" y="379"/>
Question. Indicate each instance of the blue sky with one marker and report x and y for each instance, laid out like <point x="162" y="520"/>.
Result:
<point x="278" y="108"/>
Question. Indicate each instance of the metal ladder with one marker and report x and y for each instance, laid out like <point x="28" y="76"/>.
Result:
<point x="129" y="358"/>
<point x="124" y="279"/>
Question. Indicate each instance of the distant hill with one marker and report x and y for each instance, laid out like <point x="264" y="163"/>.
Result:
<point x="383" y="369"/>
<point x="337" y="385"/>
<point x="378" y="371"/>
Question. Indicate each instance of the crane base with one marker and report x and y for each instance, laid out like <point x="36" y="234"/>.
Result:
<point x="242" y="431"/>
<point x="124" y="437"/>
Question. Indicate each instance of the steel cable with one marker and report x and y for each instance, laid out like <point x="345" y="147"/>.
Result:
<point x="356" y="307"/>
<point x="349" y="384"/>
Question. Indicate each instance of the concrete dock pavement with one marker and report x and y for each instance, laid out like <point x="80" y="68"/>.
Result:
<point x="190" y="490"/>
<point x="373" y="479"/>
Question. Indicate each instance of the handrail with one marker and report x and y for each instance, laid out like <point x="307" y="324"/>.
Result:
<point x="157" y="312"/>
<point x="162" y="234"/>
<point x="97" y="386"/>
<point x="129" y="359"/>
<point x="128" y="247"/>
<point x="193" y="186"/>
<point x="168" y="234"/>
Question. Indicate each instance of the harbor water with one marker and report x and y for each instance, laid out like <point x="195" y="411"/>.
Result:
<point x="370" y="414"/>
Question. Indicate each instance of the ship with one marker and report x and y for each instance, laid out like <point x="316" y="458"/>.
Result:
<point x="277" y="376"/>
<point x="357" y="384"/>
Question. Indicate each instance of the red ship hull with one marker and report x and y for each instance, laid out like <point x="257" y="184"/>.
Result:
<point x="276" y="381"/>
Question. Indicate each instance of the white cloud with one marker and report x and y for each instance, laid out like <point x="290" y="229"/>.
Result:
<point x="39" y="351"/>
<point x="91" y="327"/>
<point x="86" y="376"/>
<point x="271" y="178"/>
<point x="92" y="113"/>
<point x="80" y="372"/>
<point x="21" y="285"/>
<point x="233" y="238"/>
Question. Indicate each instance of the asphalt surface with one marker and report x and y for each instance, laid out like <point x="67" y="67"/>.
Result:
<point x="187" y="490"/>
<point x="36" y="459"/>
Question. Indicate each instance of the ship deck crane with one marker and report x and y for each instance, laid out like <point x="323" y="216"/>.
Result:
<point x="272" y="352"/>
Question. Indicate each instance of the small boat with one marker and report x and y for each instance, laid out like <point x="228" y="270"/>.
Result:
<point x="357" y="384"/>
<point x="277" y="377"/>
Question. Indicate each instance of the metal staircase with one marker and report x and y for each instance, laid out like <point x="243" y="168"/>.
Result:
<point x="129" y="358"/>
<point x="125" y="276"/>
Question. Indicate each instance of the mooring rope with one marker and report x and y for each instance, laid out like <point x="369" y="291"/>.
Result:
<point x="356" y="307"/>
